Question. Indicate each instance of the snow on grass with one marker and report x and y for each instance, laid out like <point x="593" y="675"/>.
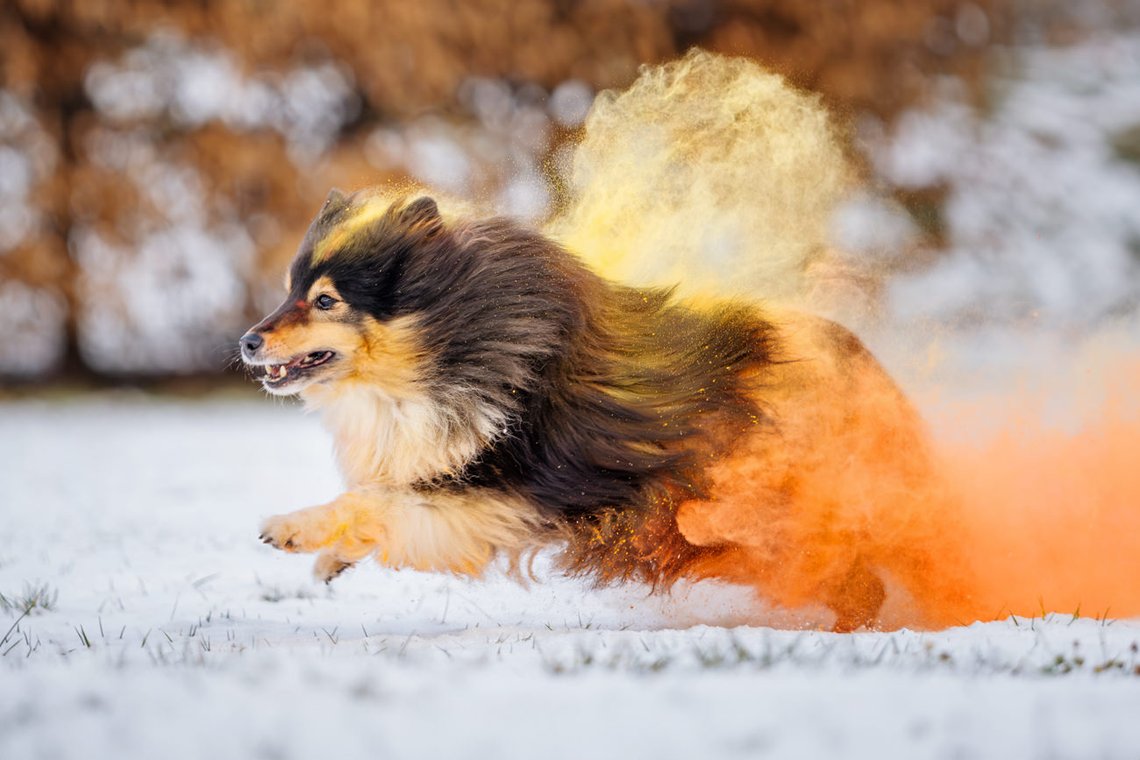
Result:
<point x="143" y="619"/>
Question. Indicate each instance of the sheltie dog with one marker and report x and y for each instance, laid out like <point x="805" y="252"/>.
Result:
<point x="490" y="395"/>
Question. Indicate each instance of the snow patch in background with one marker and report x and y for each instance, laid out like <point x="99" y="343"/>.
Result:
<point x="161" y="306"/>
<point x="174" y="299"/>
<point x="570" y="102"/>
<point x="195" y="83"/>
<point x="27" y="157"/>
<point x="168" y="302"/>
<point x="870" y="227"/>
<point x="496" y="153"/>
<point x="1042" y="217"/>
<point x="1033" y="277"/>
<point x="31" y="323"/>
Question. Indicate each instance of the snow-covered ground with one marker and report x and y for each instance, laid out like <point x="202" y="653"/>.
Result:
<point x="172" y="632"/>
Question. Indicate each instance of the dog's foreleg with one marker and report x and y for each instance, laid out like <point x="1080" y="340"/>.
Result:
<point x="328" y="566"/>
<point x="343" y="531"/>
<point x="458" y="532"/>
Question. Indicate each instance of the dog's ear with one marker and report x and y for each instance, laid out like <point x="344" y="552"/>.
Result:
<point x="337" y="199"/>
<point x="422" y="215"/>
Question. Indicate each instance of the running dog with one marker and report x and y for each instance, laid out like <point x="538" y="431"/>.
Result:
<point x="489" y="395"/>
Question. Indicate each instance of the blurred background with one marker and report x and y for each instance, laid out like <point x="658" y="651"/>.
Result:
<point x="159" y="161"/>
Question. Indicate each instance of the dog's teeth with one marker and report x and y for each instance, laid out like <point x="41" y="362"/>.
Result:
<point x="276" y="371"/>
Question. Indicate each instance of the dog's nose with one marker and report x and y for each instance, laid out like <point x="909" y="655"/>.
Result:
<point x="250" y="342"/>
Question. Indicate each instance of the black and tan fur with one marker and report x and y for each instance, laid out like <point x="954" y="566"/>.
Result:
<point x="488" y="395"/>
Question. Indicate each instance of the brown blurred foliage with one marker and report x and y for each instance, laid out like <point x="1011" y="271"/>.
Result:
<point x="401" y="60"/>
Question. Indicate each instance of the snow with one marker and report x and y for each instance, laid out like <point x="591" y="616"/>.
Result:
<point x="141" y="516"/>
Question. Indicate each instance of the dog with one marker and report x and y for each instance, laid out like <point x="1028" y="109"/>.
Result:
<point x="489" y="395"/>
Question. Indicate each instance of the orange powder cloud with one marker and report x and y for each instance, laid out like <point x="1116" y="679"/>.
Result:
<point x="1018" y="518"/>
<point x="1049" y="518"/>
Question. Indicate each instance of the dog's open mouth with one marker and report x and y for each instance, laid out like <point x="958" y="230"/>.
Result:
<point x="297" y="367"/>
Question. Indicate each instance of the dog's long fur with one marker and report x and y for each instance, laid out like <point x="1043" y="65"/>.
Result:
<point x="488" y="394"/>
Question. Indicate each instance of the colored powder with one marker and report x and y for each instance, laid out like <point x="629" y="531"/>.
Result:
<point x="714" y="174"/>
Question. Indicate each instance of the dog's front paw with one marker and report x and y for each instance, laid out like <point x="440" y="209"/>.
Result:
<point x="278" y="532"/>
<point x="290" y="533"/>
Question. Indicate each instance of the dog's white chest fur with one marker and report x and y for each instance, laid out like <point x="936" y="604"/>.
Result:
<point x="381" y="439"/>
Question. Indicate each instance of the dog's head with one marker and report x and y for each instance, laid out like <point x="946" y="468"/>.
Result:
<point x="348" y="312"/>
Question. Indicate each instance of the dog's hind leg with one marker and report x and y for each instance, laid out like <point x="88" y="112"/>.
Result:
<point x="857" y="599"/>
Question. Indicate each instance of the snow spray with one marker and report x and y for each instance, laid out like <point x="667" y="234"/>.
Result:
<point x="713" y="174"/>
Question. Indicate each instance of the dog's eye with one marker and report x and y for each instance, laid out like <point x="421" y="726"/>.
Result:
<point x="324" y="302"/>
